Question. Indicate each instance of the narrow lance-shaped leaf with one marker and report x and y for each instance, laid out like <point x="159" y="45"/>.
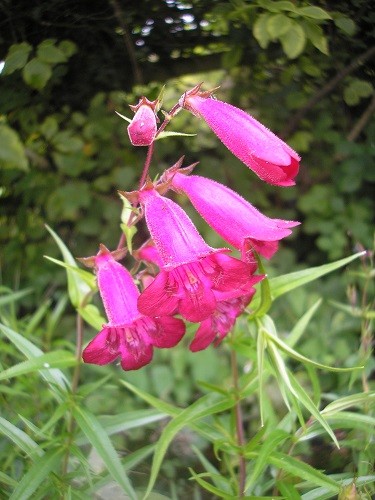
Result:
<point x="78" y="289"/>
<point x="37" y="473"/>
<point x="55" y="377"/>
<point x="104" y="447"/>
<point x="20" y="438"/>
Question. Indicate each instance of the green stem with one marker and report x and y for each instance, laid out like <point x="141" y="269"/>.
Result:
<point x="239" y="426"/>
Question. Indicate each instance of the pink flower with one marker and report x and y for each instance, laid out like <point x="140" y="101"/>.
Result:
<point x="230" y="215"/>
<point x="128" y="334"/>
<point x="142" y="129"/>
<point x="214" y="328"/>
<point x="220" y="323"/>
<point x="256" y="146"/>
<point x="191" y="271"/>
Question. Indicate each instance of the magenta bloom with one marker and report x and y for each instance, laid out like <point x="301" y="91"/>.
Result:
<point x="256" y="146"/>
<point x="191" y="271"/>
<point x="230" y="215"/>
<point x="142" y="129"/>
<point x="220" y="323"/>
<point x="128" y="334"/>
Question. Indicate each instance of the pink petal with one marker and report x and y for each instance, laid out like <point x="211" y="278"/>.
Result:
<point x="230" y="215"/>
<point x="175" y="236"/>
<point x="204" y="336"/>
<point x="133" y="359"/>
<point x="103" y="349"/>
<point x="268" y="156"/>
<point x="168" y="332"/>
<point x="117" y="290"/>
<point x="159" y="298"/>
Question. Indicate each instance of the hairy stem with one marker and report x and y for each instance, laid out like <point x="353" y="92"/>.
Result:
<point x="239" y="427"/>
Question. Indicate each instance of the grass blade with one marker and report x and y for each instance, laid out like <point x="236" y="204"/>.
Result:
<point x="37" y="473"/>
<point x="98" y="438"/>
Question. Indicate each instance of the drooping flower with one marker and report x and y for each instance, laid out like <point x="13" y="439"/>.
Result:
<point x="255" y="145"/>
<point x="230" y="215"/>
<point x="128" y="334"/>
<point x="214" y="328"/>
<point x="142" y="129"/>
<point x="191" y="271"/>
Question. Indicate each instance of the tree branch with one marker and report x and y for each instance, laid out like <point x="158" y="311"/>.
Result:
<point x="137" y="73"/>
<point x="295" y="121"/>
<point x="362" y="122"/>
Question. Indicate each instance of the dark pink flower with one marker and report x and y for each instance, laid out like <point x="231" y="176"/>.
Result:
<point x="191" y="271"/>
<point x="128" y="334"/>
<point x="220" y="323"/>
<point x="214" y="328"/>
<point x="143" y="128"/>
<point x="230" y="215"/>
<point x="257" y="147"/>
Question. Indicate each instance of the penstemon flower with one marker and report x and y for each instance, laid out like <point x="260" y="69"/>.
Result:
<point x="142" y="129"/>
<point x="128" y="334"/>
<point x="257" y="147"/>
<point x="230" y="215"/>
<point x="214" y="328"/>
<point x="191" y="271"/>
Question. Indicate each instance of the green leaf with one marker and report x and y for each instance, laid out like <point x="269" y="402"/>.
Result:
<point x="299" y="357"/>
<point x="56" y="359"/>
<point x="113" y="424"/>
<point x="357" y="90"/>
<point x="12" y="151"/>
<point x="16" y="58"/>
<point x="293" y="41"/>
<point x="86" y="276"/>
<point x="260" y="30"/>
<point x="92" y="316"/>
<point x="303" y="470"/>
<point x="49" y="53"/>
<point x="270" y="444"/>
<point x="305" y="400"/>
<point x="13" y="297"/>
<point x="78" y="289"/>
<point x="206" y="405"/>
<point x="167" y="133"/>
<point x="37" y="473"/>
<point x="98" y="438"/>
<point x="49" y="127"/>
<point x="261" y="345"/>
<point x="278" y="25"/>
<point x="123" y="117"/>
<point x="314" y="12"/>
<point x="36" y="73"/>
<point x="301" y="325"/>
<point x="346" y="25"/>
<point x="208" y="486"/>
<point x="348" y="401"/>
<point x="67" y="47"/>
<point x="53" y="376"/>
<point x="323" y="493"/>
<point x="20" y="438"/>
<point x="283" y="284"/>
<point x="316" y="36"/>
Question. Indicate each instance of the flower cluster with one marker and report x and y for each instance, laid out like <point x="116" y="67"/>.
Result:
<point x="183" y="276"/>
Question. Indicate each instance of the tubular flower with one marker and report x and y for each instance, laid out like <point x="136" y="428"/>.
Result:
<point x="230" y="215"/>
<point x="219" y="324"/>
<point x="254" y="144"/>
<point x="128" y="334"/>
<point x="191" y="271"/>
<point x="221" y="321"/>
<point x="142" y="129"/>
